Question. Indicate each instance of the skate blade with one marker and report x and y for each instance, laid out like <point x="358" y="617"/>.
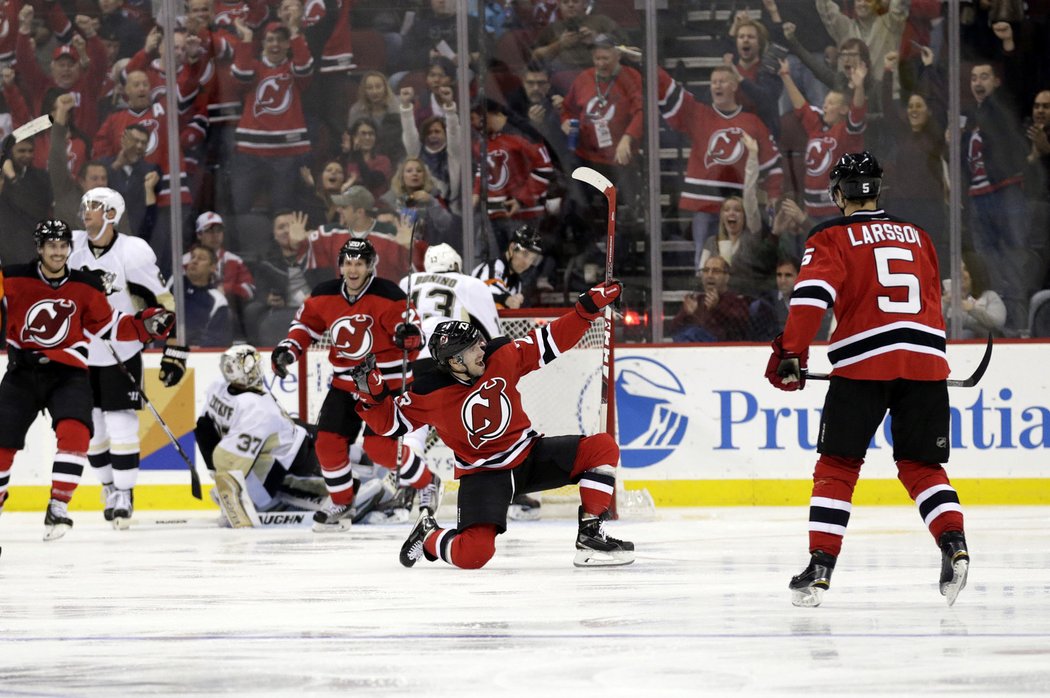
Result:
<point x="387" y="518"/>
<point x="598" y="558"/>
<point x="516" y="512"/>
<point x="950" y="590"/>
<point x="809" y="597"/>
<point x="121" y="523"/>
<point x="338" y="527"/>
<point x="56" y="531"/>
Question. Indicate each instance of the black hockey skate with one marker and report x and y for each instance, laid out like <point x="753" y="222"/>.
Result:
<point x="808" y="587"/>
<point x="955" y="563"/>
<point x="596" y="549"/>
<point x="334" y="518"/>
<point x="56" y="520"/>
<point x="524" y="508"/>
<point x="412" y="549"/>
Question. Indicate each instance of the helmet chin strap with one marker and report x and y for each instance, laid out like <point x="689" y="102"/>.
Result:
<point x="101" y="231"/>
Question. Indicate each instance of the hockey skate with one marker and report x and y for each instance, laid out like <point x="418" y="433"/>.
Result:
<point x="120" y="505"/>
<point x="596" y="549"/>
<point x="107" y="494"/>
<point x="430" y="496"/>
<point x="955" y="564"/>
<point x="808" y="587"/>
<point x="524" y="508"/>
<point x="412" y="549"/>
<point x="56" y="520"/>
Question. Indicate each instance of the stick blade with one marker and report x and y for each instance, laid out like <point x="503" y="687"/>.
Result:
<point x="31" y="128"/>
<point x="593" y="177"/>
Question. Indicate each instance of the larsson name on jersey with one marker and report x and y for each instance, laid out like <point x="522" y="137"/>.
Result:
<point x="871" y="233"/>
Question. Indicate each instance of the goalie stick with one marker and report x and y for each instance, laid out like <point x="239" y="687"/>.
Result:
<point x="195" y="480"/>
<point x="974" y="378"/>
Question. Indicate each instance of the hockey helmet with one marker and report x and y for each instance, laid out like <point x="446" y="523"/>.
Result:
<point x="857" y="175"/>
<point x="52" y="229"/>
<point x="449" y="339"/>
<point x="241" y="365"/>
<point x="109" y="200"/>
<point x="359" y="249"/>
<point x="440" y="258"/>
<point x="527" y="239"/>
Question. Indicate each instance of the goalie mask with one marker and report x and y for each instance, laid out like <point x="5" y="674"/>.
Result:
<point x="111" y="203"/>
<point x="449" y="339"/>
<point x="442" y="258"/>
<point x="241" y="366"/>
<point x="857" y="176"/>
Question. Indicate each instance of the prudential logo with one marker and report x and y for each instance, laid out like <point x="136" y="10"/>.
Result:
<point x="649" y="406"/>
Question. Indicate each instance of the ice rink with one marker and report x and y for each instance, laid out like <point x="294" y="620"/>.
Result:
<point x="191" y="610"/>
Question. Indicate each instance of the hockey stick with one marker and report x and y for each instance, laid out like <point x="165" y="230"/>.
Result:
<point x="974" y="378"/>
<point x="601" y="183"/>
<point x="23" y="132"/>
<point x="417" y="230"/>
<point x="195" y="480"/>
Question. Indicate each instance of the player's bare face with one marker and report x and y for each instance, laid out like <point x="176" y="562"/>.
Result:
<point x="94" y="214"/>
<point x="355" y="274"/>
<point x="53" y="256"/>
<point x="471" y="361"/>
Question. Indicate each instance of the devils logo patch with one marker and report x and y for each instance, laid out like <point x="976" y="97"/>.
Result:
<point x="352" y="336"/>
<point x="486" y="412"/>
<point x="48" y="322"/>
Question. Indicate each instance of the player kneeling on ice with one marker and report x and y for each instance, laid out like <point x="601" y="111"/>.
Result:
<point x="472" y="400"/>
<point x="262" y="460"/>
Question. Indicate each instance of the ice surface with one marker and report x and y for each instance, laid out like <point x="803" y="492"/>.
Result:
<point x="188" y="609"/>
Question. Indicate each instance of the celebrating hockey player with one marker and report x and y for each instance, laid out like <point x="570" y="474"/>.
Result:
<point x="52" y="312"/>
<point x="127" y="268"/>
<point x="364" y="315"/>
<point x="472" y="401"/>
<point x="887" y="353"/>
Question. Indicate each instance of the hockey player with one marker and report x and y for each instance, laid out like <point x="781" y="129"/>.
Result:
<point x="52" y="312"/>
<point x="887" y="353"/>
<point x="504" y="274"/>
<point x="128" y="272"/>
<point x="472" y="400"/>
<point x="364" y="315"/>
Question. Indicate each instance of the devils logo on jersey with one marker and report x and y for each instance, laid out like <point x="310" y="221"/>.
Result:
<point x="153" y="126"/>
<point x="820" y="154"/>
<point x="725" y="147"/>
<point x="352" y="336"/>
<point x="273" y="95"/>
<point x="600" y="110"/>
<point x="48" y="322"/>
<point x="499" y="173"/>
<point x="486" y="412"/>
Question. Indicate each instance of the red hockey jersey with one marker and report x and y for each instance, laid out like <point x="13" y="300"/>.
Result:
<point x="517" y="169"/>
<point x="617" y="105"/>
<point x="881" y="276"/>
<point x="337" y="56"/>
<point x="360" y="326"/>
<point x="273" y="124"/>
<point x="36" y="83"/>
<point x="825" y="146"/>
<point x="718" y="156"/>
<point x="484" y="422"/>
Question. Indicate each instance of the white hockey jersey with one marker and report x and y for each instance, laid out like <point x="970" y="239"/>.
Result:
<point x="452" y="296"/>
<point x="127" y="267"/>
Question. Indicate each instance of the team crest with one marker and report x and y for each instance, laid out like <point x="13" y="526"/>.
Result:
<point x="48" y="322"/>
<point x="725" y="147"/>
<point x="820" y="154"/>
<point x="486" y="412"/>
<point x="352" y="336"/>
<point x="273" y="95"/>
<point x="596" y="110"/>
<point x="499" y="173"/>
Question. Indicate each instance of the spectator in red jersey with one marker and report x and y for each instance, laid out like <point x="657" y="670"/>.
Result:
<point x="271" y="134"/>
<point x="714" y="313"/>
<point x="356" y="209"/>
<point x="364" y="163"/>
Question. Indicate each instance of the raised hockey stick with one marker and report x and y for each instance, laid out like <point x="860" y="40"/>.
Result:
<point x="973" y="380"/>
<point x="601" y="183"/>
<point x="195" y="480"/>
<point x="23" y="132"/>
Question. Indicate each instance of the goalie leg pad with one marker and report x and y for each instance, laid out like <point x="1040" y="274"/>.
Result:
<point x="234" y="501"/>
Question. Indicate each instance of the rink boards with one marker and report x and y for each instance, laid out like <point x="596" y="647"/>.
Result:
<point x="698" y="426"/>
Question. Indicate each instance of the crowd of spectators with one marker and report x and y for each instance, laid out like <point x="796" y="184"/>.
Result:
<point x="300" y="125"/>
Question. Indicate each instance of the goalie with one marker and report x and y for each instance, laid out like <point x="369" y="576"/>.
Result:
<point x="262" y="460"/>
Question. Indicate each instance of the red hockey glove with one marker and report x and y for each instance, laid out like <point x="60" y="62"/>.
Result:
<point x="153" y="323"/>
<point x="590" y="303"/>
<point x="786" y="370"/>
<point x="371" y="389"/>
<point x="173" y="364"/>
<point x="408" y="337"/>
<point x="282" y="357"/>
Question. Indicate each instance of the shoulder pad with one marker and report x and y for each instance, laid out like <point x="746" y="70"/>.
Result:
<point x="432" y="380"/>
<point x="495" y="345"/>
<point x="329" y="287"/>
<point x="12" y="271"/>
<point x="385" y="288"/>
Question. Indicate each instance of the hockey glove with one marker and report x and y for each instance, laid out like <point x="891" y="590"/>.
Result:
<point x="282" y="357"/>
<point x="173" y="364"/>
<point x="408" y="337"/>
<point x="786" y="370"/>
<point x="153" y="323"/>
<point x="371" y="389"/>
<point x="590" y="303"/>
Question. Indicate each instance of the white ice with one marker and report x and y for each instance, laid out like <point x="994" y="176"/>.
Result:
<point x="190" y="610"/>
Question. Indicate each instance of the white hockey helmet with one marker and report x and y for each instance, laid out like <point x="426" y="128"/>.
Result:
<point x="241" y="365"/>
<point x="443" y="257"/>
<point x="110" y="201"/>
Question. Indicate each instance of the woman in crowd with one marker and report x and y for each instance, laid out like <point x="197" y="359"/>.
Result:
<point x="376" y="101"/>
<point x="983" y="311"/>
<point x="416" y="195"/>
<point x="317" y="199"/>
<point x="364" y="164"/>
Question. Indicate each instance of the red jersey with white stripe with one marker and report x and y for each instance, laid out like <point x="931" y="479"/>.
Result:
<point x="614" y="104"/>
<point x="273" y="124"/>
<point x="718" y="156"/>
<point x="337" y="56"/>
<point x="517" y="169"/>
<point x="483" y="422"/>
<point x="825" y="146"/>
<point x="881" y="276"/>
<point x="359" y="326"/>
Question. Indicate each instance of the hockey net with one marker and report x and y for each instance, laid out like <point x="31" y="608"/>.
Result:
<point x="563" y="397"/>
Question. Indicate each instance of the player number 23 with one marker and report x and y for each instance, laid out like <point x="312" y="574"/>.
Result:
<point x="912" y="303"/>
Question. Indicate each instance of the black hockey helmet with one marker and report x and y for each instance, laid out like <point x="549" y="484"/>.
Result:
<point x="527" y="239"/>
<point x="356" y="248"/>
<point x="52" y="229"/>
<point x="449" y="339"/>
<point x="857" y="175"/>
